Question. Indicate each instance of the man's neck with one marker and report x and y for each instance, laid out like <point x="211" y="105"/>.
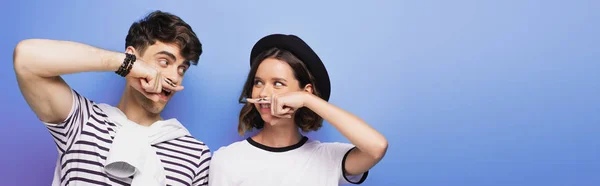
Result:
<point x="279" y="135"/>
<point x="135" y="112"/>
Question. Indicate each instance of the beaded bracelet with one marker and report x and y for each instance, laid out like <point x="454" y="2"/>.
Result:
<point x="127" y="65"/>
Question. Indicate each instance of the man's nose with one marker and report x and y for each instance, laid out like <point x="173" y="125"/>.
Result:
<point x="173" y="76"/>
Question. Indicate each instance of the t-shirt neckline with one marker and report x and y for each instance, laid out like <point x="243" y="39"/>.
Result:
<point x="277" y="149"/>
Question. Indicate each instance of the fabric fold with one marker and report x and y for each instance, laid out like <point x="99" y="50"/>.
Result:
<point x="132" y="154"/>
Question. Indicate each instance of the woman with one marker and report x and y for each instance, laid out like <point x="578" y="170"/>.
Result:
<point x="287" y="90"/>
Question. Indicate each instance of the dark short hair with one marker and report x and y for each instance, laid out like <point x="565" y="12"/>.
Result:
<point x="167" y="28"/>
<point x="305" y="119"/>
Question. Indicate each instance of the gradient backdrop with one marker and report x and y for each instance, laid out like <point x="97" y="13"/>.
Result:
<point x="469" y="93"/>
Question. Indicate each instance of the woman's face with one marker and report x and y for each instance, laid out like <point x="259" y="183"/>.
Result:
<point x="273" y="76"/>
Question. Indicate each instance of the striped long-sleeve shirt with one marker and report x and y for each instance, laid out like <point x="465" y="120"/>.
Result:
<point x="85" y="137"/>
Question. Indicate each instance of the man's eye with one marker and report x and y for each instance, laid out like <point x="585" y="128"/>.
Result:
<point x="182" y="70"/>
<point x="163" y="62"/>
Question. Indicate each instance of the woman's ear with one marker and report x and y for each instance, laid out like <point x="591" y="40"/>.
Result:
<point x="308" y="88"/>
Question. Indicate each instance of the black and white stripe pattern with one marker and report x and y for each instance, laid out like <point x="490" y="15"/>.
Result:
<point x="85" y="137"/>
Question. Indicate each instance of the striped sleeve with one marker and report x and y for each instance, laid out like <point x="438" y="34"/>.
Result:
<point x="201" y="177"/>
<point x="65" y="133"/>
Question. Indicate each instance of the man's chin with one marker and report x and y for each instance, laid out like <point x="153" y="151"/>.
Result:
<point x="154" y="108"/>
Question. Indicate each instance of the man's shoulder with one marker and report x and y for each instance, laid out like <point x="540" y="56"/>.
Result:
<point x="80" y="96"/>
<point x="186" y="147"/>
<point x="89" y="104"/>
<point x="192" y="143"/>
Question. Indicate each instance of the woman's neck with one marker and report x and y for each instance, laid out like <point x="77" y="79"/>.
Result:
<point x="279" y="135"/>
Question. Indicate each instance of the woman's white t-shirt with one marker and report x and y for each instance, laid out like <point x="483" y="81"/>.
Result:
<point x="310" y="162"/>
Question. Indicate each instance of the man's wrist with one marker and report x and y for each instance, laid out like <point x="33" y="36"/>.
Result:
<point x="127" y="64"/>
<point x="113" y="60"/>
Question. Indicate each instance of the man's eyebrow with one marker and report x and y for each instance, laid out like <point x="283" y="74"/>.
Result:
<point x="169" y="54"/>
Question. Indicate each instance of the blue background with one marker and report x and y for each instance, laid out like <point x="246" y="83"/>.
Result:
<point x="467" y="92"/>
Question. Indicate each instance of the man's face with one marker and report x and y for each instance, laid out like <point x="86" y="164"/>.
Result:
<point x="168" y="60"/>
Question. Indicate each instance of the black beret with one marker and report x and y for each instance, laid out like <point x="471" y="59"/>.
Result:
<point x="302" y="51"/>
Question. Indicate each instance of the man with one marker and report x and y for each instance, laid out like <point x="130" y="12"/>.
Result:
<point x="129" y="144"/>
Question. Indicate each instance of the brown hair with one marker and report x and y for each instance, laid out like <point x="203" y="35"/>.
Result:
<point x="166" y="28"/>
<point x="305" y="119"/>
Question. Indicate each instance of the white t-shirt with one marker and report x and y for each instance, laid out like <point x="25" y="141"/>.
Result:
<point x="308" y="163"/>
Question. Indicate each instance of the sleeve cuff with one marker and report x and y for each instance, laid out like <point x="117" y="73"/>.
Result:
<point x="356" y="179"/>
<point x="74" y="106"/>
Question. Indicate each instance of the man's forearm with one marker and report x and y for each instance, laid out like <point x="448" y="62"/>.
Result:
<point x="51" y="58"/>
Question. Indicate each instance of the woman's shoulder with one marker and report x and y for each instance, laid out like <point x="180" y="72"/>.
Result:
<point x="232" y="149"/>
<point x="329" y="148"/>
<point x="328" y="145"/>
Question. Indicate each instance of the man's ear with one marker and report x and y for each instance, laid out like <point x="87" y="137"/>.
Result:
<point x="308" y="88"/>
<point x="131" y="50"/>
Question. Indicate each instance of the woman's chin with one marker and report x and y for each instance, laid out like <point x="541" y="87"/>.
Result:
<point x="272" y="120"/>
<point x="266" y="117"/>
